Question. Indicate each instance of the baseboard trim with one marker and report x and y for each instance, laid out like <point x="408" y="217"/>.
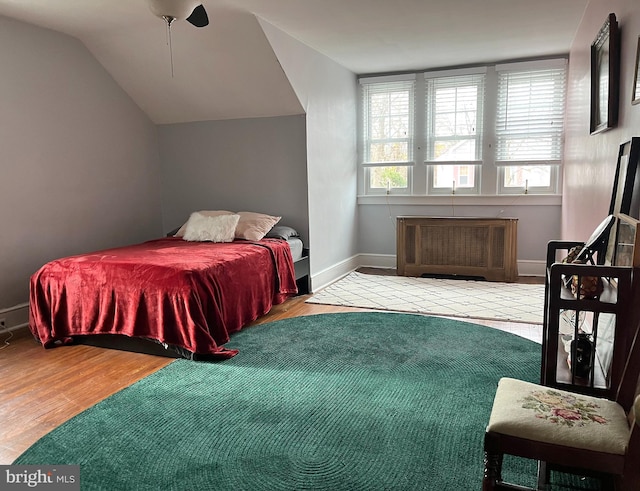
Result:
<point x="388" y="261"/>
<point x="531" y="268"/>
<point x="334" y="273"/>
<point x="15" y="317"/>
<point x="385" y="261"/>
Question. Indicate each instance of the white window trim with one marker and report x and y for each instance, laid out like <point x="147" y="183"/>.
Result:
<point x="479" y="138"/>
<point x="469" y="191"/>
<point x="491" y="171"/>
<point x="367" y="166"/>
<point x="535" y="190"/>
<point x="388" y="190"/>
<point x="532" y="64"/>
<point x="553" y="164"/>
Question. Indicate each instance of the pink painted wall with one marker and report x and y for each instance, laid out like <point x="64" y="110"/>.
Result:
<point x="590" y="160"/>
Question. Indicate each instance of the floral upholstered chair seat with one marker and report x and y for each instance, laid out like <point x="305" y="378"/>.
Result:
<point x="543" y="414"/>
<point x="566" y="431"/>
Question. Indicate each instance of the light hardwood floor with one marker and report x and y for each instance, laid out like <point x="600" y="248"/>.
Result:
<point x="41" y="389"/>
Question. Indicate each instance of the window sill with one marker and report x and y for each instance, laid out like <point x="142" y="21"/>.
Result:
<point x="462" y="200"/>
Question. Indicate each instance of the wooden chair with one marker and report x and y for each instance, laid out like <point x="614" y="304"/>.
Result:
<point x="562" y="430"/>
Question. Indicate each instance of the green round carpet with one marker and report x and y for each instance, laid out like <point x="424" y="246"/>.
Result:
<point x="371" y="401"/>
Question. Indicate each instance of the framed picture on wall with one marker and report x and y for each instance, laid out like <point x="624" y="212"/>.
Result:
<point x="635" y="97"/>
<point x="605" y="74"/>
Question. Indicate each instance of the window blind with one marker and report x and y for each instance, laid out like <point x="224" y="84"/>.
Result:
<point x="454" y="108"/>
<point x="388" y="120"/>
<point x="530" y="116"/>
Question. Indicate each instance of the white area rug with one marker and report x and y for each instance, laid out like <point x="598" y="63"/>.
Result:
<point x="514" y="302"/>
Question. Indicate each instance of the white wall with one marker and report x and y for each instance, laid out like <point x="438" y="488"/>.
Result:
<point x="237" y="165"/>
<point x="79" y="158"/>
<point x="327" y="92"/>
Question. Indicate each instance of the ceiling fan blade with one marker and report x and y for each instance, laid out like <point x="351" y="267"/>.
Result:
<point x="199" y="17"/>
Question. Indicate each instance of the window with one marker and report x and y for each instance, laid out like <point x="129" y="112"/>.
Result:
<point x="454" y="114"/>
<point x="529" y="127"/>
<point x="388" y="119"/>
<point x="496" y="129"/>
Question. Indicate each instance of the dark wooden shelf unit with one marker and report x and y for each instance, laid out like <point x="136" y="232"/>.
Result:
<point x="605" y="319"/>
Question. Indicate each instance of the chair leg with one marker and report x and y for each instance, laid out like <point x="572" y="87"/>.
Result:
<point x="630" y="480"/>
<point x="625" y="484"/>
<point x="544" y="474"/>
<point x="492" y="470"/>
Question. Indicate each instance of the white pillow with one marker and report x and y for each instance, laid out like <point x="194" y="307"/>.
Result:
<point x="207" y="213"/>
<point x="254" y="226"/>
<point x="201" y="228"/>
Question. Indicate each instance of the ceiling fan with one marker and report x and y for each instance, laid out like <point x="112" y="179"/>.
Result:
<point x="171" y="10"/>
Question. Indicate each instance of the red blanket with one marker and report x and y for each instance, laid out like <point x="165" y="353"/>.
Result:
<point x="191" y="295"/>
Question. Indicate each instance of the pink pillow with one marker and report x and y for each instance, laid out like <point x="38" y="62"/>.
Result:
<point x="254" y="226"/>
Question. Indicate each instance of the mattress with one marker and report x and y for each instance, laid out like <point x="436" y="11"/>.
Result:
<point x="296" y="247"/>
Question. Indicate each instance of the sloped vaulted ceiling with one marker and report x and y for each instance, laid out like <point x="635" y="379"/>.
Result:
<point x="224" y="71"/>
<point x="227" y="71"/>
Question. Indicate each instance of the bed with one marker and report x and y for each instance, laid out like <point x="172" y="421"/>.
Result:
<point x="186" y="295"/>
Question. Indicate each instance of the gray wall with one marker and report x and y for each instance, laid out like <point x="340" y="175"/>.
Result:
<point x="83" y="168"/>
<point x="536" y="225"/>
<point x="237" y="165"/>
<point x="327" y="92"/>
<point x="340" y="227"/>
<point x="300" y="167"/>
<point x="79" y="159"/>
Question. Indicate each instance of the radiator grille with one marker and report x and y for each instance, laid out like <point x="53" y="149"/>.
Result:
<point x="410" y="244"/>
<point x="497" y="248"/>
<point x="457" y="246"/>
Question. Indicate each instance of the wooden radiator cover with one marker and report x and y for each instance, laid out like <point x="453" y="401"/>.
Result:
<point x="483" y="247"/>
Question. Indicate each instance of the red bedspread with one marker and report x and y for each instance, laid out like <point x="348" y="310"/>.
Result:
<point x="191" y="295"/>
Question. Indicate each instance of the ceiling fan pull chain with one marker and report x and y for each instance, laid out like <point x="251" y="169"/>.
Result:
<point x="170" y="51"/>
<point x="169" y="20"/>
<point x="170" y="10"/>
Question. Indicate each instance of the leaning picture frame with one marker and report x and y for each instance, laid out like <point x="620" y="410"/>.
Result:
<point x="622" y="181"/>
<point x="629" y="202"/>
<point x="627" y="251"/>
<point x="605" y="74"/>
<point x="635" y="96"/>
<point x="623" y="199"/>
